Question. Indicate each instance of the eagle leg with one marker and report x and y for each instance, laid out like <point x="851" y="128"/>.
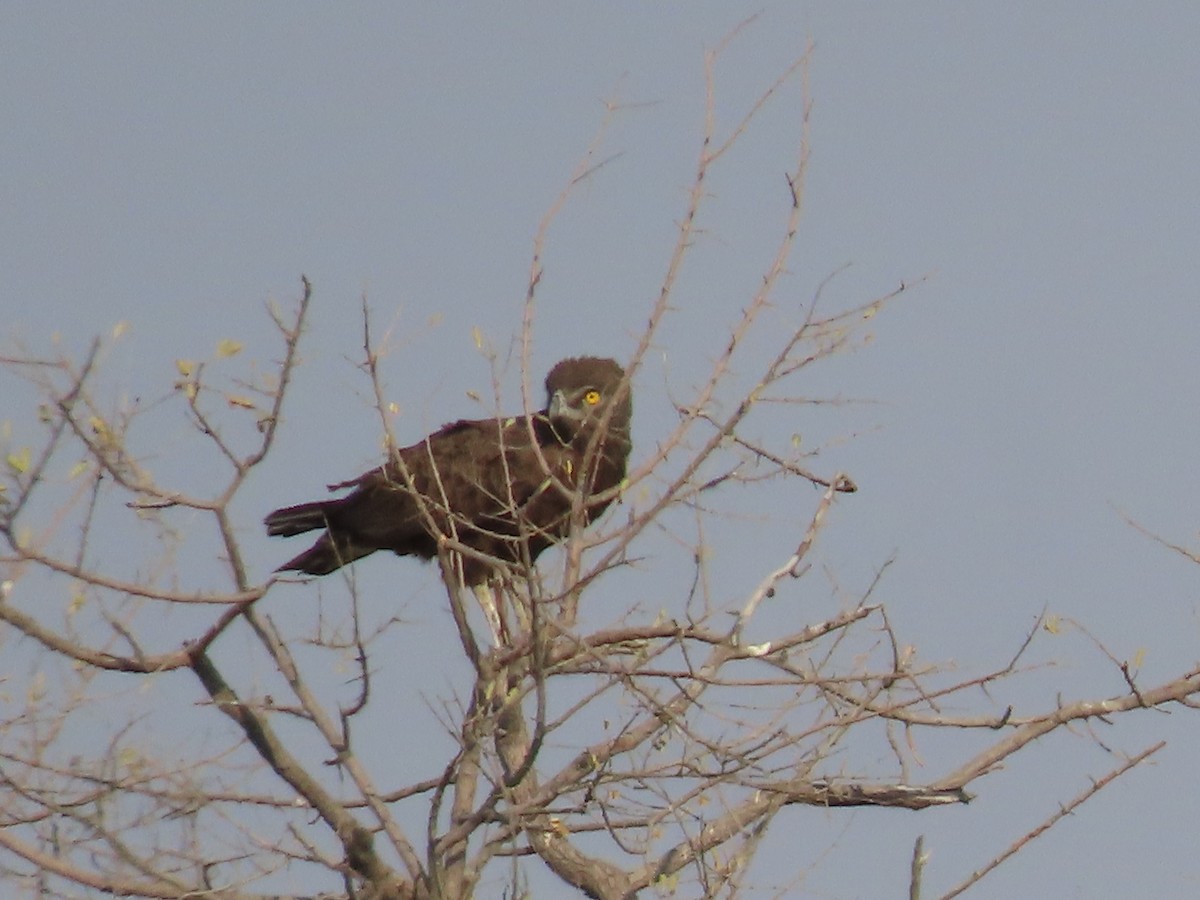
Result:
<point x="488" y="596"/>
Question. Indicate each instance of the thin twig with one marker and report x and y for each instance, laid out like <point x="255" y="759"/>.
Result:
<point x="1053" y="820"/>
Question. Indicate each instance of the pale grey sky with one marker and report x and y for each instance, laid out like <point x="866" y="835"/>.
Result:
<point x="175" y="165"/>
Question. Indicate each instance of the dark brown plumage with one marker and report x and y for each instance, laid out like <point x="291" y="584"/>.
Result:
<point x="480" y="483"/>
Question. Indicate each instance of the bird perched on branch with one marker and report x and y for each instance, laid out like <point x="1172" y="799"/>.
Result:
<point x="497" y="491"/>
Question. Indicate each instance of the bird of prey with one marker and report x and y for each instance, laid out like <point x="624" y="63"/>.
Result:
<point x="499" y="491"/>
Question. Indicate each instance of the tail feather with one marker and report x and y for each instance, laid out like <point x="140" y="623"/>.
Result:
<point x="334" y="549"/>
<point x="325" y="556"/>
<point x="292" y="520"/>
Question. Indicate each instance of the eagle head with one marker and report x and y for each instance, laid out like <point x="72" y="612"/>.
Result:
<point x="580" y="391"/>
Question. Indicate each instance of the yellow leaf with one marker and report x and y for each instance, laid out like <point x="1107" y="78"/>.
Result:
<point x="36" y="689"/>
<point x="477" y="337"/>
<point x="1052" y="624"/>
<point x="228" y="347"/>
<point x="119" y="329"/>
<point x="393" y="408"/>
<point x="78" y="598"/>
<point x="241" y="402"/>
<point x="186" y="367"/>
<point x="19" y="461"/>
<point x="78" y="469"/>
<point x="1138" y="658"/>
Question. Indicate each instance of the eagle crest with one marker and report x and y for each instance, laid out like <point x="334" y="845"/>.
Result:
<point x="500" y="488"/>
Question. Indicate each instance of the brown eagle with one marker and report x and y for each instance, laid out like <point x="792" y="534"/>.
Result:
<point x="482" y="483"/>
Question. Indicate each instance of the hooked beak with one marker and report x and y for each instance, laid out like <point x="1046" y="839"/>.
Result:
<point x="560" y="410"/>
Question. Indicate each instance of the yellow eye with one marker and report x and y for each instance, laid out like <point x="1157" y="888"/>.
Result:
<point x="591" y="398"/>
